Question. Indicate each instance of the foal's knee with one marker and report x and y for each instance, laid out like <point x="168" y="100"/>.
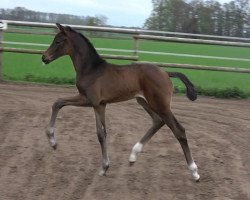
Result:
<point x="181" y="136"/>
<point x="58" y="104"/>
<point x="182" y="140"/>
<point x="180" y="132"/>
<point x="101" y="137"/>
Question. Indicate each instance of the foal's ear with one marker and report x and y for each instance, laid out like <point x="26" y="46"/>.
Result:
<point x="60" y="27"/>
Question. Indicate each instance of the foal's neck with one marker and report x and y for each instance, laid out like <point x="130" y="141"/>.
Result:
<point x="84" y="56"/>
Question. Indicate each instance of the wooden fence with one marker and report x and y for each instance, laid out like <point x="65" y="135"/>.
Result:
<point x="136" y="35"/>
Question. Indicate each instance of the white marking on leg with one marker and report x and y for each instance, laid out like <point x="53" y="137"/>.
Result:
<point x="105" y="166"/>
<point x="52" y="141"/>
<point x="194" y="169"/>
<point x="50" y="134"/>
<point x="50" y="131"/>
<point x="135" y="150"/>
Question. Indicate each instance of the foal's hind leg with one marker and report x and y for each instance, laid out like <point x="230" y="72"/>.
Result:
<point x="157" y="124"/>
<point x="78" y="100"/>
<point x="180" y="134"/>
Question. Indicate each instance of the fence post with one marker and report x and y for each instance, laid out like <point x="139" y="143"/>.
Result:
<point x="3" y="26"/>
<point x="1" y="54"/>
<point x="136" y="46"/>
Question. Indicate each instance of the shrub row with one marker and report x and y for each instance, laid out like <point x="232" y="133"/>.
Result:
<point x="225" y="93"/>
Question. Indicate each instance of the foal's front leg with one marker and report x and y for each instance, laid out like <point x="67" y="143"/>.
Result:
<point x="101" y="133"/>
<point x="78" y="100"/>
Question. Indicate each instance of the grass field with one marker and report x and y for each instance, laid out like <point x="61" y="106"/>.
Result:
<point x="26" y="67"/>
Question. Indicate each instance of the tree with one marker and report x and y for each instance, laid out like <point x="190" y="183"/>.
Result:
<point x="201" y="16"/>
<point x="23" y="14"/>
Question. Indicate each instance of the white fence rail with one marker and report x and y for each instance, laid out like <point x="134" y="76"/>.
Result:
<point x="139" y="51"/>
<point x="136" y="35"/>
<point x="194" y="41"/>
<point x="198" y="67"/>
<point x="123" y="30"/>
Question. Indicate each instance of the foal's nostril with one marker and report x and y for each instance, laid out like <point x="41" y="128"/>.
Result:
<point x="45" y="60"/>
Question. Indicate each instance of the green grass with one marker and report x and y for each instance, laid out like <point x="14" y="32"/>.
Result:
<point x="26" y="67"/>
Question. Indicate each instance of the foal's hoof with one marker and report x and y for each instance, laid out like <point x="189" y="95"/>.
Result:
<point x="197" y="178"/>
<point x="102" y="173"/>
<point x="131" y="163"/>
<point x="194" y="170"/>
<point x="52" y="142"/>
<point x="104" y="170"/>
<point x="51" y="138"/>
<point x="54" y="146"/>
<point x="132" y="158"/>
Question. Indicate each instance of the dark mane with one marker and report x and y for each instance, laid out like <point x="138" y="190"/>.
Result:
<point x="97" y="57"/>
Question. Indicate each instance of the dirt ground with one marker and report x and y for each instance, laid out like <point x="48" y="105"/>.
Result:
<point x="218" y="133"/>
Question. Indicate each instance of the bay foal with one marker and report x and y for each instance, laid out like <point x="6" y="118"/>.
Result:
<point x="100" y="83"/>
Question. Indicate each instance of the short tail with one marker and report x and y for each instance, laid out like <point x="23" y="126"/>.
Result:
<point x="191" y="92"/>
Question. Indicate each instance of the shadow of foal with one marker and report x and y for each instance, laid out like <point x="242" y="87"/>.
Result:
<point x="100" y="83"/>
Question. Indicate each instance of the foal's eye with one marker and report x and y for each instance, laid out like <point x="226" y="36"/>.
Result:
<point x="58" y="41"/>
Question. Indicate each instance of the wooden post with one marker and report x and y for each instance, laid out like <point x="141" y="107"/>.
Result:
<point x="3" y="26"/>
<point x="1" y="54"/>
<point x="136" y="46"/>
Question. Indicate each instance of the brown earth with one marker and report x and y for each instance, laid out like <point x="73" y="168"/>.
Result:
<point x="218" y="133"/>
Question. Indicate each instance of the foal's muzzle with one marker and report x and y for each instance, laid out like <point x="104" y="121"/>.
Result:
<point x="45" y="60"/>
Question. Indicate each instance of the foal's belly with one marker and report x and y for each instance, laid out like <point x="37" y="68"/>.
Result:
<point x="122" y="97"/>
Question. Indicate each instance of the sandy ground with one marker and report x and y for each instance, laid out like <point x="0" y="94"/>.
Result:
<point x="218" y="133"/>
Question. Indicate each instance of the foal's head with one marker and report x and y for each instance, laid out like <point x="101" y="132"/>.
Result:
<point x="60" y="45"/>
<point x="70" y="42"/>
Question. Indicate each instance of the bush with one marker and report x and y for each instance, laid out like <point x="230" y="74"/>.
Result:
<point x="225" y="93"/>
<point x="53" y="80"/>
